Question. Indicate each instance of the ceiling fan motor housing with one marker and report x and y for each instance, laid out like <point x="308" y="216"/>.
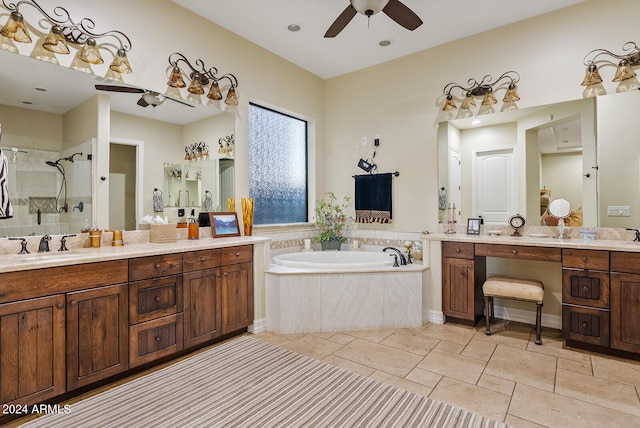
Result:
<point x="369" y="7"/>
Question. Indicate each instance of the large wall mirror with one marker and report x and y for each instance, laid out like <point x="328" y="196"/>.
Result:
<point x="583" y="151"/>
<point x="51" y="118"/>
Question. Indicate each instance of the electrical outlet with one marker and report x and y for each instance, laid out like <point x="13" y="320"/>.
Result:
<point x="364" y="141"/>
<point x="618" y="211"/>
<point x="376" y="140"/>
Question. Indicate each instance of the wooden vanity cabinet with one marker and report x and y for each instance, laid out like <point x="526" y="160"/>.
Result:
<point x="625" y="301"/>
<point x="463" y="274"/>
<point x="585" y="297"/>
<point x="236" y="288"/>
<point x="202" y="297"/>
<point x="97" y="336"/>
<point x="32" y="350"/>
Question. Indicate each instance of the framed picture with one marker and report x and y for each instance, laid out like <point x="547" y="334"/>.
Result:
<point x="473" y="226"/>
<point x="224" y="224"/>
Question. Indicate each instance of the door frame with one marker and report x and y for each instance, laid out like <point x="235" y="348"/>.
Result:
<point x="139" y="144"/>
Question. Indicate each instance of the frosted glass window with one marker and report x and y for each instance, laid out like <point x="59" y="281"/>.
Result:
<point x="277" y="166"/>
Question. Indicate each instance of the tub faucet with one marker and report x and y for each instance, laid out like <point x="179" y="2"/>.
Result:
<point x="403" y="260"/>
<point x="44" y="244"/>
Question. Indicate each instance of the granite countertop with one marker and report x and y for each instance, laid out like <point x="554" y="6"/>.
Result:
<point x="13" y="262"/>
<point x="537" y="240"/>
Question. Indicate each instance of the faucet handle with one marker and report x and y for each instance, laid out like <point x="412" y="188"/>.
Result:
<point x="63" y="242"/>
<point x="395" y="260"/>
<point x="23" y="242"/>
<point x="637" y="231"/>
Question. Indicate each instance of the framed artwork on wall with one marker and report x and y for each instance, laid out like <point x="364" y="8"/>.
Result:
<point x="224" y="224"/>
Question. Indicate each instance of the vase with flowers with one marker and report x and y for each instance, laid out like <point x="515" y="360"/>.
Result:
<point x="332" y="220"/>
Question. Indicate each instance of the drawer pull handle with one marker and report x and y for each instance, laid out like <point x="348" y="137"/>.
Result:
<point x="514" y="251"/>
<point x="203" y="259"/>
<point x="237" y="254"/>
<point x="458" y="250"/>
<point x="584" y="259"/>
<point x="60" y="305"/>
<point x="157" y="298"/>
<point x="158" y="339"/>
<point x="584" y="324"/>
<point x="585" y="288"/>
<point x="158" y="266"/>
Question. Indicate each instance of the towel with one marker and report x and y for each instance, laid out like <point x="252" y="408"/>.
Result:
<point x="6" y="210"/>
<point x="158" y="204"/>
<point x="373" y="200"/>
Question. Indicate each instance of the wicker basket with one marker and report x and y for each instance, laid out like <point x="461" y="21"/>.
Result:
<point x="161" y="233"/>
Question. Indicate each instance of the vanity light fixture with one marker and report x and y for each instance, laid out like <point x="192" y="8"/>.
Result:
<point x="64" y="31"/>
<point x="486" y="89"/>
<point x="625" y="74"/>
<point x="196" y="152"/>
<point x="201" y="78"/>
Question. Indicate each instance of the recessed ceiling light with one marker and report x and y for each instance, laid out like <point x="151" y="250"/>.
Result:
<point x="294" y="27"/>
<point x="386" y="42"/>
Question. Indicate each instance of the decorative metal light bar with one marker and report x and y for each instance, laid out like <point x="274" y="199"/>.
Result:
<point x="625" y="74"/>
<point x="201" y="77"/>
<point x="484" y="89"/>
<point x="65" y="30"/>
<point x="196" y="152"/>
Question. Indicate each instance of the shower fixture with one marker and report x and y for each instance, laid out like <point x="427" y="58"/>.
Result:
<point x="63" y="185"/>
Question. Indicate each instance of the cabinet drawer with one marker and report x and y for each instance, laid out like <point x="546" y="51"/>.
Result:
<point x="524" y="252"/>
<point x="459" y="250"/>
<point x="155" y="266"/>
<point x="586" y="325"/>
<point x="204" y="259"/>
<point x="625" y="262"/>
<point x="154" y="298"/>
<point x="155" y="339"/>
<point x="585" y="259"/>
<point x="585" y="287"/>
<point x="233" y="255"/>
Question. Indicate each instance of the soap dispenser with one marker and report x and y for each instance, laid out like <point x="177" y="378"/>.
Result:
<point x="194" y="227"/>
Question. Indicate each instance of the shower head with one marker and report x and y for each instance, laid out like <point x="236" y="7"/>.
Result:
<point x="70" y="158"/>
<point x="52" y="163"/>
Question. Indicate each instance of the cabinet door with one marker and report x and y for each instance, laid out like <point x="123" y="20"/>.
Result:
<point x="32" y="343"/>
<point x="237" y="297"/>
<point x="625" y="307"/>
<point x="97" y="334"/>
<point x="458" y="288"/>
<point x="201" y="306"/>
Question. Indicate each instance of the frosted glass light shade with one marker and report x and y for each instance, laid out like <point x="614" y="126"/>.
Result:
<point x="624" y="72"/>
<point x="176" y="80"/>
<point x="196" y="85"/>
<point x="16" y="29"/>
<point x="214" y="92"/>
<point x="232" y="97"/>
<point x="90" y="53"/>
<point x="120" y="63"/>
<point x="55" y="41"/>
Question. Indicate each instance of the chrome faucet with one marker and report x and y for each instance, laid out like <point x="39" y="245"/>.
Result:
<point x="637" y="238"/>
<point x="403" y="260"/>
<point x="44" y="244"/>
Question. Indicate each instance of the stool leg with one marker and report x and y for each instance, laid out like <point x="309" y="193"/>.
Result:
<point x="488" y="313"/>
<point x="493" y="310"/>
<point x="539" y="324"/>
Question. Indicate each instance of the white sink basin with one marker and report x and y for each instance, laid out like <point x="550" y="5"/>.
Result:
<point x="49" y="257"/>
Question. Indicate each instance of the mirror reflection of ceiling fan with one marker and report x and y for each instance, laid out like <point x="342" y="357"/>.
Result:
<point x="394" y="9"/>
<point x="148" y="98"/>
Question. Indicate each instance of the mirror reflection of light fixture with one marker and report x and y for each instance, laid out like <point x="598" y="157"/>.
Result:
<point x="196" y="152"/>
<point x="625" y="74"/>
<point x="63" y="31"/>
<point x="484" y="89"/>
<point x="201" y="78"/>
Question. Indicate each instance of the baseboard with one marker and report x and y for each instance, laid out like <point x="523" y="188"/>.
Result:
<point x="528" y="317"/>
<point x="258" y="326"/>
<point x="435" y="317"/>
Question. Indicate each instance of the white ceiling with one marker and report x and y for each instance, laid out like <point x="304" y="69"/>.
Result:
<point x="265" y="22"/>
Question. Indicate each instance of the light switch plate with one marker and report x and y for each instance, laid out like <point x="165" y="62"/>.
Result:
<point x="618" y="211"/>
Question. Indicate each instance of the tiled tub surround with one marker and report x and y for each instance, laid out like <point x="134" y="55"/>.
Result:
<point x="322" y="300"/>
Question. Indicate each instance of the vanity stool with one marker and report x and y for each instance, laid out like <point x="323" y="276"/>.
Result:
<point x="527" y="290"/>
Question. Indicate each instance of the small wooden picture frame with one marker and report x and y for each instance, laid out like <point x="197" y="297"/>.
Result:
<point x="224" y="224"/>
<point x="473" y="226"/>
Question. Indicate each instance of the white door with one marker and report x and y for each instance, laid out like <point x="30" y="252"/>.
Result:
<point x="494" y="187"/>
<point x="455" y="179"/>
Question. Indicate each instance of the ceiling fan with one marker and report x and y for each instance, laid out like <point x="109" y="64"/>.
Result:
<point x="394" y="9"/>
<point x="148" y="98"/>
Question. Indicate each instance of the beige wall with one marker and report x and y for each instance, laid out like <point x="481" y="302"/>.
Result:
<point x="398" y="99"/>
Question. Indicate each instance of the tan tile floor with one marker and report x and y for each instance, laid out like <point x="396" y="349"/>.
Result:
<point x="505" y="376"/>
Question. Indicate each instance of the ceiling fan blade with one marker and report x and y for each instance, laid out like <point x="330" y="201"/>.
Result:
<point x="402" y="15"/>
<point x="338" y="25"/>
<point x="180" y="101"/>
<point x="142" y="103"/>
<point x="114" y="88"/>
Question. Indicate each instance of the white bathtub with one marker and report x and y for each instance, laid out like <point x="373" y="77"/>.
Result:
<point x="327" y="291"/>
<point x="335" y="260"/>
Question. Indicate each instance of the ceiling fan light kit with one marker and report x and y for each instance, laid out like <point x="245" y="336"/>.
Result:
<point x="394" y="9"/>
<point x="65" y="30"/>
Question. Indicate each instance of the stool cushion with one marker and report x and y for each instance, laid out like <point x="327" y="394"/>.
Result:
<point x="514" y="288"/>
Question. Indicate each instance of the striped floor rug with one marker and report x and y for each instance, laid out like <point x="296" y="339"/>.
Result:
<point x="249" y="383"/>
